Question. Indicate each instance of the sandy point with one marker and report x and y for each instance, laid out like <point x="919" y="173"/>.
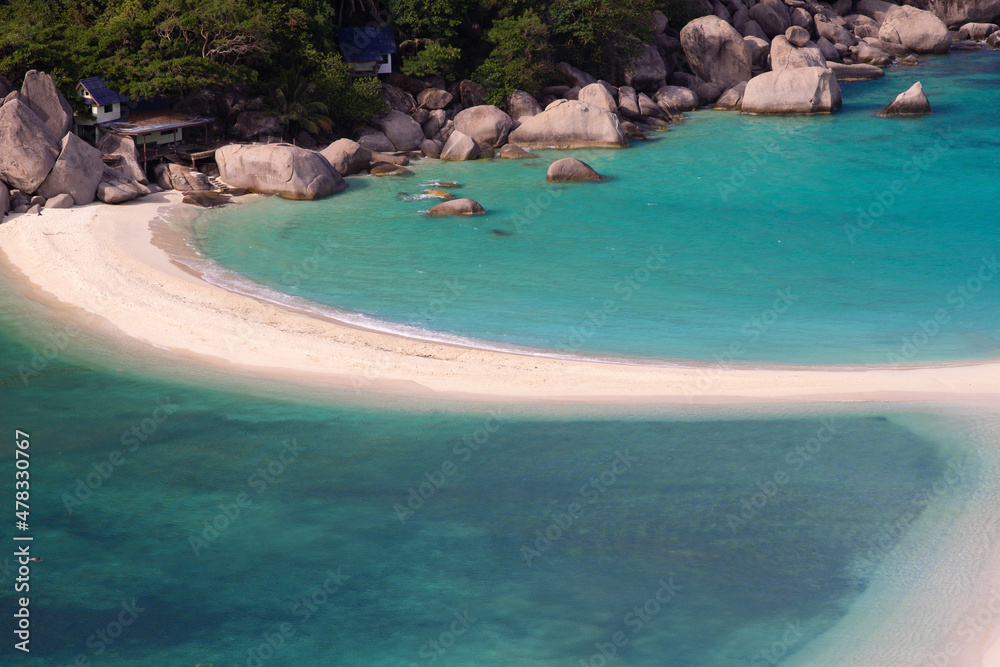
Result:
<point x="119" y="263"/>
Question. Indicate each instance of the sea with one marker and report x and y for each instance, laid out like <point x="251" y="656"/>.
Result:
<point x="186" y="515"/>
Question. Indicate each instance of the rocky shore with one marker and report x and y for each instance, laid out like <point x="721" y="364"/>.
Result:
<point x="767" y="57"/>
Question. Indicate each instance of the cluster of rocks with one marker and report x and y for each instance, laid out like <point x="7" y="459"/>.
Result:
<point x="436" y="123"/>
<point x="44" y="165"/>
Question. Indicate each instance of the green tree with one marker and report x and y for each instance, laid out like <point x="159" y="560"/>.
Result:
<point x="434" y="58"/>
<point x="600" y="36"/>
<point x="521" y="57"/>
<point x="428" y="19"/>
<point x="293" y="103"/>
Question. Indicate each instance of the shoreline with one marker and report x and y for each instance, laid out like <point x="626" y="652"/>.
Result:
<point x="117" y="263"/>
<point x="122" y="266"/>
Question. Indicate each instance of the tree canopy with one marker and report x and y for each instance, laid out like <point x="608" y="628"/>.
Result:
<point x="145" y="48"/>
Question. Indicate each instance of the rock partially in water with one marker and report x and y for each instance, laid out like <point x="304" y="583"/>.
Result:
<point x="460" y="147"/>
<point x="803" y="90"/>
<point x="347" y="157"/>
<point x="856" y="72"/>
<point x="570" y="169"/>
<point x="205" y="199"/>
<point x="916" y="29"/>
<point x="281" y="169"/>
<point x="570" y="124"/>
<point x="387" y="169"/>
<point x="458" y="207"/>
<point x="513" y="152"/>
<point x="912" y="102"/>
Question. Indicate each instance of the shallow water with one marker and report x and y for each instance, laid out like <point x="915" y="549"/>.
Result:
<point x="833" y="239"/>
<point x="742" y="526"/>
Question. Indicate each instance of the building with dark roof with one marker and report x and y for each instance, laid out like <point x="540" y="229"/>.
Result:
<point x="367" y="51"/>
<point x="104" y="102"/>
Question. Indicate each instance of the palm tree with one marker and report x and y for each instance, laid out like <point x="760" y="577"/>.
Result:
<point x="292" y="103"/>
<point x="370" y="5"/>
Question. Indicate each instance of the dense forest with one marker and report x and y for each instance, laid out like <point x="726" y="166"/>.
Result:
<point x="145" y="48"/>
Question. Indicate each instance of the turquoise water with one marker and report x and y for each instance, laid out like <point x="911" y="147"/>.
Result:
<point x="186" y="517"/>
<point x="741" y="526"/>
<point x="836" y="239"/>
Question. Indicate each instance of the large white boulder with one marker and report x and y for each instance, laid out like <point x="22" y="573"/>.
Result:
<point x="916" y="29"/>
<point x="912" y="102"/>
<point x="598" y="95"/>
<point x="486" y="124"/>
<point x="715" y="51"/>
<point x="803" y="90"/>
<point x="570" y="124"/>
<point x="347" y="157"/>
<point x="40" y="93"/>
<point x="279" y="169"/>
<point x="77" y="171"/>
<point x="785" y="55"/>
<point x="28" y="148"/>
<point x="404" y="132"/>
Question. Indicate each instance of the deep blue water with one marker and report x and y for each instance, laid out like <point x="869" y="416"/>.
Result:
<point x="832" y="239"/>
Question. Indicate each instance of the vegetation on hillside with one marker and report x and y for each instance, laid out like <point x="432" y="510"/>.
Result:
<point x="145" y="48"/>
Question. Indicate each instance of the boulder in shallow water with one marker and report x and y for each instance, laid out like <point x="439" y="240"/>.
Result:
<point x="977" y="31"/>
<point x="732" y="98"/>
<point x="278" y="169"/>
<point x="347" y="157"/>
<point x="387" y="169"/>
<point x="912" y="102"/>
<point x="29" y="148"/>
<point x="431" y="148"/>
<point x="76" y="172"/>
<point x="570" y="124"/>
<point x="205" y="199"/>
<point x="486" y="124"/>
<point x="916" y="29"/>
<point x="458" y="207"/>
<point x="460" y="147"/>
<point x="803" y="90"/>
<point x="513" y="152"/>
<point x="571" y="169"/>
<point x="628" y="102"/>
<point x="856" y="72"/>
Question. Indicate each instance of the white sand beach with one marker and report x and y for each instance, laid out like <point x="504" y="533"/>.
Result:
<point x="111" y="262"/>
<point x="102" y="259"/>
